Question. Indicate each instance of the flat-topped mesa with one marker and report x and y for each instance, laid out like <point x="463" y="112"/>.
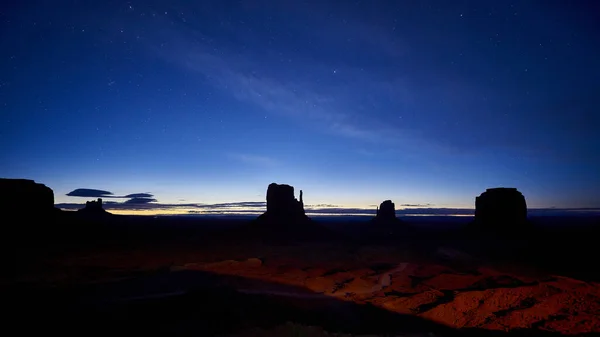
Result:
<point x="500" y="207"/>
<point x="281" y="202"/>
<point x="25" y="197"/>
<point x="386" y="214"/>
<point x="385" y="224"/>
<point x="285" y="219"/>
<point x="386" y="210"/>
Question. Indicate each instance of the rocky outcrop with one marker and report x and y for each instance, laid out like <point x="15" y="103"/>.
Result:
<point x="285" y="220"/>
<point x="282" y="204"/>
<point x="93" y="207"/>
<point x="386" y="223"/>
<point x="25" y="197"/>
<point x="386" y="211"/>
<point x="500" y="208"/>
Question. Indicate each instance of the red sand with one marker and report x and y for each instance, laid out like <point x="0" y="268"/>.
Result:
<point x="483" y="298"/>
<point x="478" y="296"/>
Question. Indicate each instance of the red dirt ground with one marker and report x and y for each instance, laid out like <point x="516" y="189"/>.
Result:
<point x="475" y="295"/>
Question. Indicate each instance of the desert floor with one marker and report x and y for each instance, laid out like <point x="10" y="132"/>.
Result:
<point x="183" y="286"/>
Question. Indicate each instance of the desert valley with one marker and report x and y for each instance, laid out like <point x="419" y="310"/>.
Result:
<point x="499" y="273"/>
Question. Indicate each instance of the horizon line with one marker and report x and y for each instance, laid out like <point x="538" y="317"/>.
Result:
<point x="257" y="208"/>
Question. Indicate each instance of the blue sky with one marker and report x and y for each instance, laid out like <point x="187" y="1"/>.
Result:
<point x="353" y="102"/>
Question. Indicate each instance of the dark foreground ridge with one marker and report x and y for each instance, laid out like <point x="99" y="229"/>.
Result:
<point x="25" y="197"/>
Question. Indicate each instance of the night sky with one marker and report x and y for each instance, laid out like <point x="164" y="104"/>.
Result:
<point x="423" y="102"/>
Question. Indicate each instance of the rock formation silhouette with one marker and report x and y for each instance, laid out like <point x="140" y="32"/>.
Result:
<point x="385" y="223"/>
<point x="500" y="209"/>
<point x="26" y="197"/>
<point x="93" y="207"/>
<point x="386" y="211"/>
<point x="285" y="219"/>
<point x="282" y="204"/>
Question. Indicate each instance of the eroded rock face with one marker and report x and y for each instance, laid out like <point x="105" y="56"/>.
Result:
<point x="385" y="223"/>
<point x="282" y="204"/>
<point x="386" y="210"/>
<point x="26" y="197"/>
<point x="93" y="207"/>
<point x="285" y="220"/>
<point x="500" y="208"/>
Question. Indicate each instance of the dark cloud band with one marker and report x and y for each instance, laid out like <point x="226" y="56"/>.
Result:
<point x="90" y="193"/>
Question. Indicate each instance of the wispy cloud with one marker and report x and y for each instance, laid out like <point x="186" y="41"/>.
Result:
<point x="150" y="204"/>
<point x="139" y="200"/>
<point x="333" y="102"/>
<point x="311" y="81"/>
<point x="320" y="206"/>
<point x="416" y="205"/>
<point x="138" y="195"/>
<point x="333" y="108"/>
<point x="133" y="198"/>
<point x="91" y="193"/>
<point x="291" y="98"/>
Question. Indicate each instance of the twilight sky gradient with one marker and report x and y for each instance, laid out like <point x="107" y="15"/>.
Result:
<point x="421" y="102"/>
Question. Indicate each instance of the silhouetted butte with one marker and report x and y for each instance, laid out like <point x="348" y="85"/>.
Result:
<point x="282" y="205"/>
<point x="26" y="198"/>
<point x="93" y="208"/>
<point x="501" y="209"/>
<point x="385" y="222"/>
<point x="285" y="218"/>
<point x="386" y="211"/>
